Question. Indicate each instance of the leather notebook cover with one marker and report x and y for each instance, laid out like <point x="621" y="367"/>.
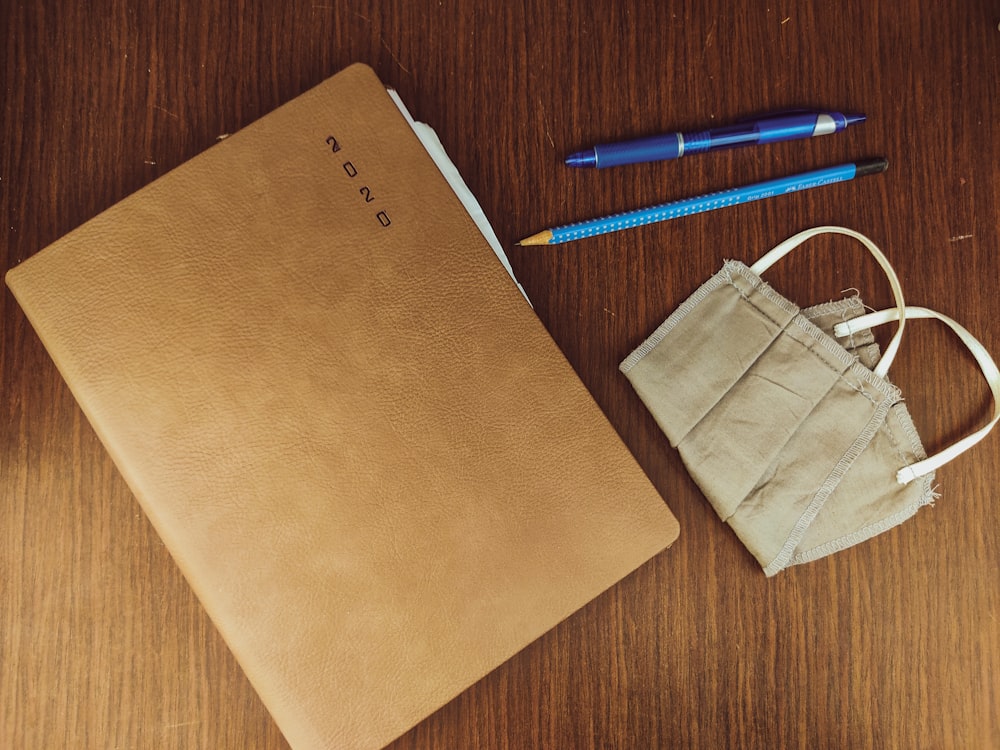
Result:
<point x="355" y="437"/>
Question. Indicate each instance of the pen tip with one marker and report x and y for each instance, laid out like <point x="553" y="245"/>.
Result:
<point x="855" y="119"/>
<point x="582" y="159"/>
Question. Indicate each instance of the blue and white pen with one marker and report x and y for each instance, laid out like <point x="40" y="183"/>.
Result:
<point x="709" y="202"/>
<point x="785" y="126"/>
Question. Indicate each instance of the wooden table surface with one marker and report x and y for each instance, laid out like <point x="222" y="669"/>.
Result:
<point x="894" y="643"/>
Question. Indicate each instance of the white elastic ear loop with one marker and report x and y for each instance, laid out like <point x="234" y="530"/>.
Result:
<point x="781" y="250"/>
<point x="983" y="359"/>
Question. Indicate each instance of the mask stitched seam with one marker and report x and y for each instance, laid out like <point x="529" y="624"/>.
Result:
<point x="850" y="337"/>
<point x="836" y="349"/>
<point x="773" y="465"/>
<point x="910" y="430"/>
<point x="813" y="332"/>
<point x="829" y="343"/>
<point x="685" y="309"/>
<point x="861" y="343"/>
<point x="892" y="394"/>
<point x="725" y="283"/>
<point x="831" y="482"/>
<point x="852" y="366"/>
<point x="818" y="335"/>
<point x="720" y="280"/>
<point x="895" y="444"/>
<point x="782" y="330"/>
<point x="871" y="351"/>
<point x="868" y="531"/>
<point x="860" y="388"/>
<point x="842" y="306"/>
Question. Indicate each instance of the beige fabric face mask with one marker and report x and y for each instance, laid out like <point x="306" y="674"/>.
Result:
<point x="784" y="417"/>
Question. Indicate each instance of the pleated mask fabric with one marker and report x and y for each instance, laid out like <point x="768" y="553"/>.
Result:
<point x="785" y="417"/>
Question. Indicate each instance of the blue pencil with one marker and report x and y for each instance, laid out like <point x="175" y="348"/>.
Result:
<point x="707" y="202"/>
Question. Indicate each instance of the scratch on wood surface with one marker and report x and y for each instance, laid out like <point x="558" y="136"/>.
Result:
<point x="545" y="122"/>
<point x="786" y="20"/>
<point x="166" y="111"/>
<point x="710" y="35"/>
<point x="958" y="237"/>
<point x="393" y="55"/>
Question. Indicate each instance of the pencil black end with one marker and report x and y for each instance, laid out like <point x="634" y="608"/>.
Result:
<point x="871" y="166"/>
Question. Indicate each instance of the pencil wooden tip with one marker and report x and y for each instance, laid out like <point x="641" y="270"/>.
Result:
<point x="542" y="238"/>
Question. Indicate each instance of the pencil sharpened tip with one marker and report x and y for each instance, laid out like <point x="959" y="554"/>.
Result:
<point x="542" y="238"/>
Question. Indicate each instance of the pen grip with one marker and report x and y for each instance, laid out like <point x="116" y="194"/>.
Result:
<point x="652" y="148"/>
<point x="697" y="143"/>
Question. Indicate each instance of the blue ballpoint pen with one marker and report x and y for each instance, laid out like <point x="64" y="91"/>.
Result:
<point x="785" y="126"/>
<point x="707" y="202"/>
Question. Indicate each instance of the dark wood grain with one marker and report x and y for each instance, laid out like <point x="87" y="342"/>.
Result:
<point x="894" y="643"/>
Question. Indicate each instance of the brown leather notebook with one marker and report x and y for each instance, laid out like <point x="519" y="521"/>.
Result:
<point x="357" y="440"/>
